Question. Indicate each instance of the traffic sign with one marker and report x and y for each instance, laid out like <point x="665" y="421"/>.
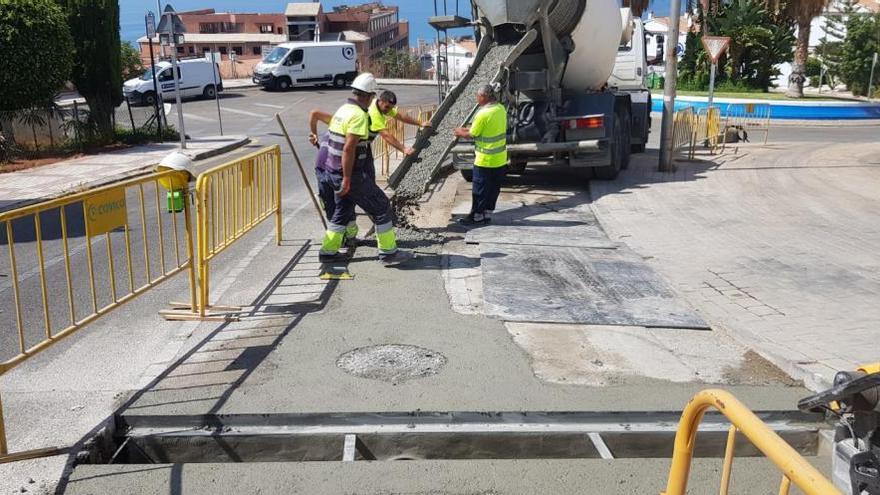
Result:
<point x="715" y="46"/>
<point x="150" y="20"/>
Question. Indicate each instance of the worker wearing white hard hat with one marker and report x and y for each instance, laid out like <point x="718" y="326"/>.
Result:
<point x="348" y="171"/>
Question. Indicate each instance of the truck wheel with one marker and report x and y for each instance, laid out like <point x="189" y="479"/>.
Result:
<point x="609" y="172"/>
<point x="467" y="174"/>
<point x="518" y="166"/>
<point x="339" y="81"/>
<point x="210" y="92"/>
<point x="283" y="83"/>
<point x="149" y="98"/>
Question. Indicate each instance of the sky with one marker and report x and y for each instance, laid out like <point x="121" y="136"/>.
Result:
<point x="416" y="11"/>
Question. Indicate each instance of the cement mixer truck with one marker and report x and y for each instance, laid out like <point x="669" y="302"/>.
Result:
<point x="573" y="82"/>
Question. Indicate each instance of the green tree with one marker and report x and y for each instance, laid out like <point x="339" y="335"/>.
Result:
<point x="759" y="41"/>
<point x="97" y="72"/>
<point x="132" y="65"/>
<point x="862" y="41"/>
<point x="397" y="64"/>
<point x="30" y="71"/>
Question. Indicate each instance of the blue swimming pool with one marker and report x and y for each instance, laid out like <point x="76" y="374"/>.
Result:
<point x="806" y="110"/>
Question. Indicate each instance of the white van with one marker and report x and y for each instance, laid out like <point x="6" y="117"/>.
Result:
<point x="194" y="77"/>
<point x="311" y="63"/>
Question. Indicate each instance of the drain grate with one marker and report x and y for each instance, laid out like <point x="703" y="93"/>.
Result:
<point x="393" y="363"/>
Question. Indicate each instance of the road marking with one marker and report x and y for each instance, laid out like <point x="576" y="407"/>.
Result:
<point x="267" y="105"/>
<point x="198" y="117"/>
<point x="243" y="112"/>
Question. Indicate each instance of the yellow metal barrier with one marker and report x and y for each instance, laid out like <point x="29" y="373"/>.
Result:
<point x="708" y="128"/>
<point x="383" y="152"/>
<point x="683" y="131"/>
<point x="748" y="117"/>
<point x="795" y="469"/>
<point x="231" y="200"/>
<point x="56" y="233"/>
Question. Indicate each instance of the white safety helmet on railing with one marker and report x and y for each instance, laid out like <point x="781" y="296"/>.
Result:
<point x="365" y="82"/>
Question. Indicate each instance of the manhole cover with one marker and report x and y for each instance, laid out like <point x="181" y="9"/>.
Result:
<point x="391" y="363"/>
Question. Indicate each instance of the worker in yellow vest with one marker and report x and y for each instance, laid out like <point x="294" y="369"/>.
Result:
<point x="381" y="110"/>
<point x="489" y="132"/>
<point x="347" y="171"/>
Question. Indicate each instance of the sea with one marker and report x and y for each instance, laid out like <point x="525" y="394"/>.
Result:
<point x="132" y="12"/>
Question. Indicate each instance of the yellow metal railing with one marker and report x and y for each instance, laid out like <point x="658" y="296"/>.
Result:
<point x="65" y="227"/>
<point x="232" y="199"/>
<point x="708" y="128"/>
<point x="748" y="117"/>
<point x="683" y="131"/>
<point x="795" y="469"/>
<point x="383" y="152"/>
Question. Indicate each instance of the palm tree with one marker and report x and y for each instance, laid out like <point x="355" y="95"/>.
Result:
<point x="637" y="6"/>
<point x="803" y="12"/>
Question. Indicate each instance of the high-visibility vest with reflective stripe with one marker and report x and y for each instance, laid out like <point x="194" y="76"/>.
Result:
<point x="489" y="130"/>
<point x="349" y="119"/>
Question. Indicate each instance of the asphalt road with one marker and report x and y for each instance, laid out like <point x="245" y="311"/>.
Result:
<point x="250" y="112"/>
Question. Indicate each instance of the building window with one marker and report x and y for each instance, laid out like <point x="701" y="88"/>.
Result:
<point x="257" y="51"/>
<point x="223" y="50"/>
<point x="267" y="28"/>
<point x="206" y="49"/>
<point x="192" y="50"/>
<point x="237" y="50"/>
<point x="180" y="50"/>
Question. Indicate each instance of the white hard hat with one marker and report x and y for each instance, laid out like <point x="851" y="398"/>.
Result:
<point x="365" y="82"/>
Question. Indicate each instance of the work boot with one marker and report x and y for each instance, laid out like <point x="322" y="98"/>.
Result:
<point x="474" y="219"/>
<point x="332" y="257"/>
<point x="396" y="258"/>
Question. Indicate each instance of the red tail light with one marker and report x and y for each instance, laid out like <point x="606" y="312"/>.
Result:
<point x="587" y="123"/>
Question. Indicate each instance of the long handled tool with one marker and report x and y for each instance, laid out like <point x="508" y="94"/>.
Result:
<point x="301" y="170"/>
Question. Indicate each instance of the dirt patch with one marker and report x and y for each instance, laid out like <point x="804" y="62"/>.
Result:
<point x="40" y="159"/>
<point x="755" y="370"/>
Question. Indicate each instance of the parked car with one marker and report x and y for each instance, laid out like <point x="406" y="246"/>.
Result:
<point x="194" y="77"/>
<point x="307" y="64"/>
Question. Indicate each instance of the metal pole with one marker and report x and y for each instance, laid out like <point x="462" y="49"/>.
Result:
<point x="871" y="81"/>
<point x="214" y="69"/>
<point x="712" y="83"/>
<point x="302" y="171"/>
<point x="155" y="92"/>
<point x="666" y="129"/>
<point x="174" y="75"/>
<point x="159" y="6"/>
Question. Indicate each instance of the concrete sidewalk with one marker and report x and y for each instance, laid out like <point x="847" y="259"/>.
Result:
<point x="18" y="189"/>
<point x="775" y="244"/>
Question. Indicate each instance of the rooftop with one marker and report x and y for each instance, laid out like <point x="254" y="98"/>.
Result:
<point x="227" y="38"/>
<point x="303" y="9"/>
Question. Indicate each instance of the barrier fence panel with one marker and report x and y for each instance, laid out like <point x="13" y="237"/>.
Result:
<point x="683" y="131"/>
<point x="707" y="128"/>
<point x="73" y="259"/>
<point x="748" y="118"/>
<point x="231" y="200"/>
<point x="795" y="469"/>
<point x="383" y="152"/>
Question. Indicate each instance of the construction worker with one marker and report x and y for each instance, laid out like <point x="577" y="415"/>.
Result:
<point x="326" y="189"/>
<point x="348" y="170"/>
<point x="383" y="108"/>
<point x="489" y="132"/>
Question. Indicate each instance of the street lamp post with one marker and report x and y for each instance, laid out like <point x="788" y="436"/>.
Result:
<point x="671" y="71"/>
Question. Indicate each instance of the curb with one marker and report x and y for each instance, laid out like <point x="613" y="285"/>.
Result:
<point x="129" y="174"/>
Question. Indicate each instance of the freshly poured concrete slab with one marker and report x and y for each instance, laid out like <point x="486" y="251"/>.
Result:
<point x="560" y="223"/>
<point x="577" y="285"/>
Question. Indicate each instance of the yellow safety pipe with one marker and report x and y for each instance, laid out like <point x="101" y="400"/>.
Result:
<point x="789" y="461"/>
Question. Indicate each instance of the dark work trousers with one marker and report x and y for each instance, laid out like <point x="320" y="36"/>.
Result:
<point x="364" y="193"/>
<point x="486" y="188"/>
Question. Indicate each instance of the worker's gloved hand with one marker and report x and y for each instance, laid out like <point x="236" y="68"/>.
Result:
<point x="346" y="187"/>
<point x="409" y="151"/>
<point x="313" y="138"/>
<point x="425" y="125"/>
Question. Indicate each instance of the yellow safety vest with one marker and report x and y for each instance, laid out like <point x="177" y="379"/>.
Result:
<point x="379" y="120"/>
<point x="489" y="130"/>
<point x="349" y="119"/>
